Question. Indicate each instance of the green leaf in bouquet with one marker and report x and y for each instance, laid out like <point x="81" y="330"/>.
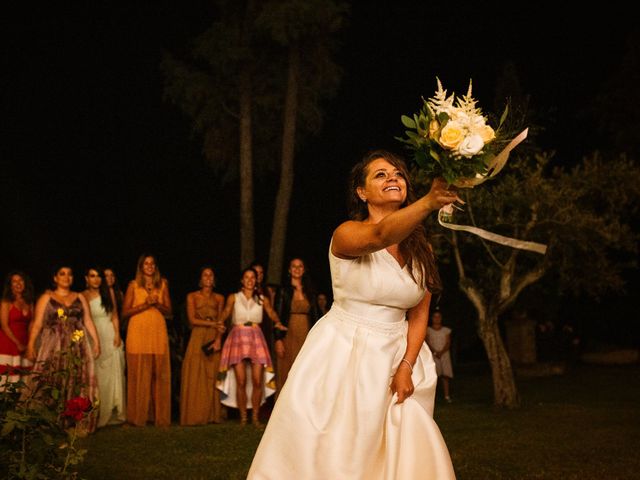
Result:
<point x="443" y="118"/>
<point x="503" y="117"/>
<point x="408" y="122"/>
<point x="403" y="140"/>
<point x="412" y="136"/>
<point x="449" y="176"/>
<point x="434" y="155"/>
<point x="422" y="123"/>
<point x="421" y="158"/>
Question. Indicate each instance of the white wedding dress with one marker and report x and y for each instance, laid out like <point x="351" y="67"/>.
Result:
<point x="336" y="418"/>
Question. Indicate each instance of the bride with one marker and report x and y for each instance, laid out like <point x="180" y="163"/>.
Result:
<point x="358" y="402"/>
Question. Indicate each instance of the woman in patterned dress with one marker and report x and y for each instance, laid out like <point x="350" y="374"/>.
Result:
<point x="245" y="353"/>
<point x="59" y="314"/>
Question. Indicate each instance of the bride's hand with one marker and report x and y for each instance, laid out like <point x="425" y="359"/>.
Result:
<point x="402" y="383"/>
<point x="441" y="194"/>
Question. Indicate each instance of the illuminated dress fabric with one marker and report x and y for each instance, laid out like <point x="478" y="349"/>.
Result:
<point x="336" y="417"/>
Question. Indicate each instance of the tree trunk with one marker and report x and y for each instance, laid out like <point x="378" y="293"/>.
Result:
<point x="505" y="393"/>
<point x="283" y="198"/>
<point x="247" y="235"/>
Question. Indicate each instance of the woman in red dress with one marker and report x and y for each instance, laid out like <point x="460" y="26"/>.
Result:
<point x="16" y="312"/>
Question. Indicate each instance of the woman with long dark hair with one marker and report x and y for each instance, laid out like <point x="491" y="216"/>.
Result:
<point x="298" y="311"/>
<point x="112" y="282"/>
<point x="16" y="313"/>
<point x="146" y="304"/>
<point x="359" y="399"/>
<point x="110" y="365"/>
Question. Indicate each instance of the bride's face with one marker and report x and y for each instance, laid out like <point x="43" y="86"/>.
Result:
<point x="384" y="185"/>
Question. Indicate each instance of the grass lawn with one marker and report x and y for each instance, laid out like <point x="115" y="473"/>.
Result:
<point x="582" y="425"/>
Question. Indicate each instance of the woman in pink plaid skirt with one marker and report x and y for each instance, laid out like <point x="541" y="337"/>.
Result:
<point x="246" y="375"/>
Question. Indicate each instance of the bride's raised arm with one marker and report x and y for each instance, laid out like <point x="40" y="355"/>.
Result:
<point x="355" y="238"/>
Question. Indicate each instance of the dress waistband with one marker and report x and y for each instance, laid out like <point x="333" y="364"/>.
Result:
<point x="386" y="328"/>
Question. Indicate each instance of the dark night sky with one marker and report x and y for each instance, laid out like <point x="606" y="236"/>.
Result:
<point x="97" y="167"/>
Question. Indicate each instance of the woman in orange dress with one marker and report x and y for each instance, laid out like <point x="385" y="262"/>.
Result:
<point x="146" y="304"/>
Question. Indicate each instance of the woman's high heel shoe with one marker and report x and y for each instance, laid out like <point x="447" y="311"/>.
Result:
<point x="255" y="420"/>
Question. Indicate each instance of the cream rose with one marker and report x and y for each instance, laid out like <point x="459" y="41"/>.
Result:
<point x="486" y="133"/>
<point x="451" y="135"/>
<point x="470" y="146"/>
<point x="460" y="116"/>
<point x="434" y="126"/>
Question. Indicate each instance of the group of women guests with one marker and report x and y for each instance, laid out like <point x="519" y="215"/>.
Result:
<point x="239" y="352"/>
<point x="38" y="337"/>
<point x="263" y="329"/>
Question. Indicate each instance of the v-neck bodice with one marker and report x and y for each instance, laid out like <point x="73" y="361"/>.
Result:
<point x="374" y="285"/>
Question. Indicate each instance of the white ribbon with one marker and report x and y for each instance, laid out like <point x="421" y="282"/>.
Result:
<point x="445" y="212"/>
<point x="494" y="168"/>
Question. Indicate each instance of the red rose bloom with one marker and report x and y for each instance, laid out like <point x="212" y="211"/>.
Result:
<point x="76" y="408"/>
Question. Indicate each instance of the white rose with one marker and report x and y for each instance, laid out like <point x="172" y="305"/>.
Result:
<point x="460" y="117"/>
<point x="477" y="122"/>
<point x="470" y="146"/>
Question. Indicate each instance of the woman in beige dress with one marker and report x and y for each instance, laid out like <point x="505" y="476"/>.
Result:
<point x="298" y="310"/>
<point x="199" y="397"/>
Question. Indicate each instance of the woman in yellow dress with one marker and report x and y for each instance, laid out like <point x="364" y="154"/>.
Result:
<point x="146" y="304"/>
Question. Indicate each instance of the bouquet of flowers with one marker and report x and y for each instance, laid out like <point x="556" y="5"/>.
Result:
<point x="450" y="138"/>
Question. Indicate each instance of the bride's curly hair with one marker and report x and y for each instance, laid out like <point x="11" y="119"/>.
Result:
<point x="416" y="248"/>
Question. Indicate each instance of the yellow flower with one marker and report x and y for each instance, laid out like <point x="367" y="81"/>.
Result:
<point x="451" y="135"/>
<point x="434" y="126"/>
<point x="60" y="312"/>
<point x="77" y="336"/>
<point x="487" y="133"/>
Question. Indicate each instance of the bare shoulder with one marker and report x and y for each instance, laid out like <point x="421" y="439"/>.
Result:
<point x="354" y="238"/>
<point x="341" y="235"/>
<point x="345" y="228"/>
<point x="45" y="297"/>
<point x="219" y="297"/>
<point x="83" y="299"/>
